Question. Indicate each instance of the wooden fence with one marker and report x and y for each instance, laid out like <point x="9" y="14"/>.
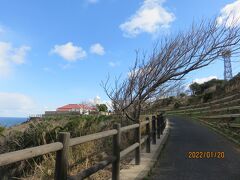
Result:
<point x="225" y="100"/>
<point x="61" y="148"/>
<point x="224" y="111"/>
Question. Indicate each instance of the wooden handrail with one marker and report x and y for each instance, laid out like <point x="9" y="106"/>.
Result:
<point x="145" y="122"/>
<point x="65" y="142"/>
<point x="91" y="137"/>
<point x="128" y="150"/>
<point x="15" y="156"/>
<point x="127" y="128"/>
<point x="144" y="139"/>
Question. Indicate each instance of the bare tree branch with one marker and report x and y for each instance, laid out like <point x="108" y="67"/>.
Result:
<point x="169" y="62"/>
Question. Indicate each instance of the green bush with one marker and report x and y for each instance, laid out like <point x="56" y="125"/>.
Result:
<point x="198" y="89"/>
<point x="182" y="95"/>
<point x="168" y="101"/>
<point x="176" y="105"/>
<point x="206" y="97"/>
<point x="194" y="100"/>
<point x="1" y="130"/>
<point x="102" y="107"/>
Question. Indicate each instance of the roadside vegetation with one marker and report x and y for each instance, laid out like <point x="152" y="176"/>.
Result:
<point x="1" y="130"/>
<point x="45" y="131"/>
<point x="214" y="103"/>
<point x="200" y="93"/>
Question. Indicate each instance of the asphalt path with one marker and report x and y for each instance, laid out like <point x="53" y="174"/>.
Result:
<point x="195" y="152"/>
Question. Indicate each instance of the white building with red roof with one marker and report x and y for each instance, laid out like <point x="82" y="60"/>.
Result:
<point x="81" y="108"/>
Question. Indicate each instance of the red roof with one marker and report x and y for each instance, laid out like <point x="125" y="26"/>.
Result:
<point x="76" y="106"/>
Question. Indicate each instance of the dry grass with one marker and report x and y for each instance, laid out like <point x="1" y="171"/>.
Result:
<point x="45" y="131"/>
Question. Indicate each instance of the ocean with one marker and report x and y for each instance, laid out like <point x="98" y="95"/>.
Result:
<point x="11" y="121"/>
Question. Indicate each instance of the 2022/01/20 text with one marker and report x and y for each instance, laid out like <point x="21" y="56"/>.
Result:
<point x="205" y="154"/>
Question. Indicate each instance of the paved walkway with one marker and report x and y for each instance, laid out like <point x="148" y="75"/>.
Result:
<point x="188" y="135"/>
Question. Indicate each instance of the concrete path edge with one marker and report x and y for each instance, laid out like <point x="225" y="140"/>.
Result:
<point x="148" y="160"/>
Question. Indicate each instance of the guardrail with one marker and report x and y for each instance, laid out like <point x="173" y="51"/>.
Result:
<point x="65" y="142"/>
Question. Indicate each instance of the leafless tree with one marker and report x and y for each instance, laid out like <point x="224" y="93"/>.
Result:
<point x="171" y="59"/>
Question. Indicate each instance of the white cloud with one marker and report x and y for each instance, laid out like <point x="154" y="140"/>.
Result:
<point x="230" y="15"/>
<point x="98" y="100"/>
<point x="113" y="64"/>
<point x="69" y="52"/>
<point x="97" y="49"/>
<point x="10" y="55"/>
<point x="19" y="54"/>
<point x="15" y="104"/>
<point x="151" y="17"/>
<point x="205" y="79"/>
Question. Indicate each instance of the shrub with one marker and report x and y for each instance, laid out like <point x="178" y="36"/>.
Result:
<point x="176" y="105"/>
<point x="182" y="95"/>
<point x="102" y="107"/>
<point x="206" y="97"/>
<point x="1" y="130"/>
<point x="194" y="100"/>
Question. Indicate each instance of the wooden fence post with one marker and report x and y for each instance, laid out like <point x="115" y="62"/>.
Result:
<point x="158" y="126"/>
<point x="61" y="166"/>
<point x="148" y="133"/>
<point x="116" y="152"/>
<point x="153" y="129"/>
<point x="138" y="149"/>
<point x="163" y="124"/>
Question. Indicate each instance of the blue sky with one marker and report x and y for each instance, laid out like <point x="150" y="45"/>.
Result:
<point x="57" y="52"/>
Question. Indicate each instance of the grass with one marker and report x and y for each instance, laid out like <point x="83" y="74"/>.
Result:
<point x="2" y="130"/>
<point x="237" y="120"/>
<point x="46" y="131"/>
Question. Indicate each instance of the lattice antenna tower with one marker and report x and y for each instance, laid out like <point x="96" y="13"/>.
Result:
<point x="226" y="54"/>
